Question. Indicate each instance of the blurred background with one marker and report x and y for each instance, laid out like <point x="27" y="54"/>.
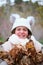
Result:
<point x="24" y="8"/>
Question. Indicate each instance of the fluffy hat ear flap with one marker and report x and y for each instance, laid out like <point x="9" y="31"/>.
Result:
<point x="31" y="20"/>
<point x="13" y="17"/>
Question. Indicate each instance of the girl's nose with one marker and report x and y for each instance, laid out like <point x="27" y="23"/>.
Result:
<point x="21" y="31"/>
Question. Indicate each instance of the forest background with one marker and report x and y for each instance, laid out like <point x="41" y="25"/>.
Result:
<point x="24" y="9"/>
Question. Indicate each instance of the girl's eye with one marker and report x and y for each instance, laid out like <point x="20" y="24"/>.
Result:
<point x="18" y="29"/>
<point x="25" y="29"/>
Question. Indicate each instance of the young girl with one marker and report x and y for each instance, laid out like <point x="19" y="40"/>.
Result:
<point x="21" y="31"/>
<point x="21" y="34"/>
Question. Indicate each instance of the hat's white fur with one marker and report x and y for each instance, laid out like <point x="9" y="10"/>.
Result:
<point x="31" y="20"/>
<point x="21" y="22"/>
<point x="13" y="17"/>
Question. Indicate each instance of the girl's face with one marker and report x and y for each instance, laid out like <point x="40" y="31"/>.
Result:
<point x="21" y="32"/>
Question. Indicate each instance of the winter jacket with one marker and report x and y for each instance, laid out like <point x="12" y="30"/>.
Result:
<point x="13" y="39"/>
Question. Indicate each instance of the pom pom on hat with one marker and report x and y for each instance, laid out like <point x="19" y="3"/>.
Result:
<point x="13" y="17"/>
<point x="31" y="20"/>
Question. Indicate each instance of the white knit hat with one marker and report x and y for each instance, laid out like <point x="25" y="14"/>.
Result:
<point x="21" y="22"/>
